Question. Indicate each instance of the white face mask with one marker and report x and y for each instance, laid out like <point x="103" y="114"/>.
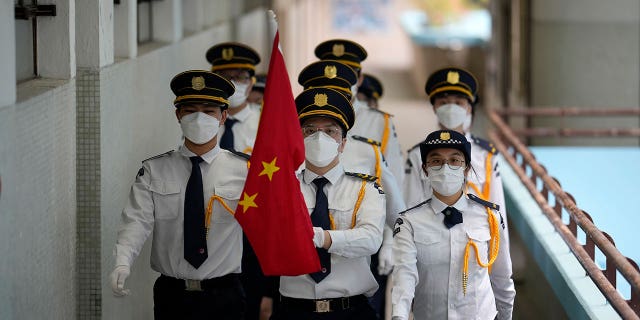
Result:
<point x="199" y="127"/>
<point x="466" y="125"/>
<point x="320" y="149"/>
<point x="446" y="181"/>
<point x="239" y="96"/>
<point x="452" y="115"/>
<point x="354" y="90"/>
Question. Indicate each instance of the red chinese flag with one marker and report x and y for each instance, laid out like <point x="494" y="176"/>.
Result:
<point x="271" y="210"/>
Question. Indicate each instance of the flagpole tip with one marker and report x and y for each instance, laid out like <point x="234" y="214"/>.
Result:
<point x="271" y="14"/>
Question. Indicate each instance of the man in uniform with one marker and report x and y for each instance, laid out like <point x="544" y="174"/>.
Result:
<point x="257" y="92"/>
<point x="370" y="91"/>
<point x="361" y="154"/>
<point x="182" y="198"/>
<point x="370" y="123"/>
<point x="236" y="62"/>
<point x="453" y="94"/>
<point x="347" y="211"/>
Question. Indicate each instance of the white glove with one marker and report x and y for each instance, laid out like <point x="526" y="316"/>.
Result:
<point x="118" y="277"/>
<point x="318" y="237"/>
<point x="385" y="260"/>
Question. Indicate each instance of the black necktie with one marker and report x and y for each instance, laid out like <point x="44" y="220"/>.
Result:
<point x="320" y="218"/>
<point x="195" y="234"/>
<point x="227" y="138"/>
<point x="451" y="217"/>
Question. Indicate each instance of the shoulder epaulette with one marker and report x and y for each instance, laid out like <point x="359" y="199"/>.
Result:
<point x="485" y="144"/>
<point x="240" y="154"/>
<point x="416" y="206"/>
<point x="382" y="112"/>
<point x="362" y="176"/>
<point x="158" y="156"/>
<point x="367" y="140"/>
<point x="485" y="203"/>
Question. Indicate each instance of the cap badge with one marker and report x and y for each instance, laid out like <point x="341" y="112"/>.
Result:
<point x="227" y="53"/>
<point x="453" y="77"/>
<point x="320" y="100"/>
<point x="197" y="83"/>
<point x="444" y="136"/>
<point x="338" y="50"/>
<point x="330" y="72"/>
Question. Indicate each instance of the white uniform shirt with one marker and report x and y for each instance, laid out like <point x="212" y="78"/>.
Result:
<point x="156" y="203"/>
<point x="359" y="156"/>
<point x="370" y="123"/>
<point x="429" y="263"/>
<point x="416" y="183"/>
<point x="245" y="130"/>
<point x="350" y="248"/>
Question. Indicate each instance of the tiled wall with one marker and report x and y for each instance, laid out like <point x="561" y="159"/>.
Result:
<point x="37" y="204"/>
<point x="88" y="195"/>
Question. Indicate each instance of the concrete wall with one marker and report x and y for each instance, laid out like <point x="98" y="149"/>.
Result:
<point x="586" y="53"/>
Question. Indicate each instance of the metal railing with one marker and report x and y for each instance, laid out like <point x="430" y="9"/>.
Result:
<point x="572" y="112"/>
<point x="512" y="148"/>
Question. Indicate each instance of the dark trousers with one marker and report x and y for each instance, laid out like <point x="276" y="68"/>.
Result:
<point x="358" y="312"/>
<point x="256" y="285"/>
<point x="377" y="301"/>
<point x="220" y="299"/>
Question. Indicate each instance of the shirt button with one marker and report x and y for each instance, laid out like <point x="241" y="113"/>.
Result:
<point x="201" y="250"/>
<point x="451" y="306"/>
<point x="324" y="270"/>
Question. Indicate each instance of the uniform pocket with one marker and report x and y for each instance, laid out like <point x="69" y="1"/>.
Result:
<point x="430" y="246"/>
<point x="230" y="196"/>
<point x="166" y="199"/>
<point x="481" y="237"/>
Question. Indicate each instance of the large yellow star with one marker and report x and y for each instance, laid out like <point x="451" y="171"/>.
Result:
<point x="248" y="202"/>
<point x="269" y="168"/>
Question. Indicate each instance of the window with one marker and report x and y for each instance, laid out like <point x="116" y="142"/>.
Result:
<point x="145" y="21"/>
<point x="26" y="32"/>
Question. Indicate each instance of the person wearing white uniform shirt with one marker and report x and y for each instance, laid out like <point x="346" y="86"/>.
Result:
<point x="451" y="250"/>
<point x="452" y="92"/>
<point x="371" y="123"/>
<point x="182" y="198"/>
<point x="257" y="92"/>
<point x="363" y="155"/>
<point x="347" y="211"/>
<point x="236" y="62"/>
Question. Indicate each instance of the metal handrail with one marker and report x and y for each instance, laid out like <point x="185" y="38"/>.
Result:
<point x="568" y="111"/>
<point x="504" y="139"/>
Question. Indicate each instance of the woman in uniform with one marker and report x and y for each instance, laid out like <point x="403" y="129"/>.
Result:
<point x="451" y="251"/>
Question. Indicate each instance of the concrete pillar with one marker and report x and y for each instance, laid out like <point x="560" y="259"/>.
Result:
<point x="167" y="20"/>
<point x="192" y="16"/>
<point x="94" y="33"/>
<point x="56" y="41"/>
<point x="7" y="54"/>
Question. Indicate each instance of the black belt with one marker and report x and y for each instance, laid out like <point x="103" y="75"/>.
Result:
<point x="226" y="281"/>
<point x="323" y="305"/>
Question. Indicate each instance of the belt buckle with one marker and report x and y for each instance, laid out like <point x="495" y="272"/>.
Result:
<point x="323" y="306"/>
<point x="192" y="285"/>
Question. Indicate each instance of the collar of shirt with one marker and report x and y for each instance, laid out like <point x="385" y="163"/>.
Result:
<point x="207" y="157"/>
<point x="332" y="175"/>
<point x="242" y="115"/>
<point x="438" y="206"/>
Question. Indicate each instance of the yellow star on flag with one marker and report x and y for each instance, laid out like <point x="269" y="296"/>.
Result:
<point x="269" y="168"/>
<point x="248" y="202"/>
